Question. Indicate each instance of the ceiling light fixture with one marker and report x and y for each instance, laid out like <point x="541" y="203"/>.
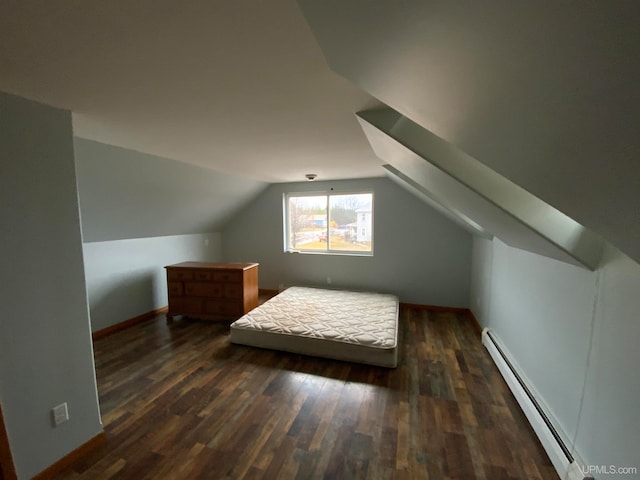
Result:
<point x="311" y="176"/>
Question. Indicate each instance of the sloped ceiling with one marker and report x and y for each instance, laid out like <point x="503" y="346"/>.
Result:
<point x="239" y="87"/>
<point x="128" y="194"/>
<point x="545" y="94"/>
<point x="475" y="192"/>
<point x="435" y="202"/>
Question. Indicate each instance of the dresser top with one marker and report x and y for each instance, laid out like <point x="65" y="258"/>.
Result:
<point x="227" y="266"/>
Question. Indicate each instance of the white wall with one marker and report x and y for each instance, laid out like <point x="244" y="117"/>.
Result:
<point x="419" y="254"/>
<point x="609" y="433"/>
<point x="126" y="278"/>
<point x="481" y="272"/>
<point x="560" y="325"/>
<point x="46" y="355"/>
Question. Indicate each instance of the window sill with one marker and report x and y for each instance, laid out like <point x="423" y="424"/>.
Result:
<point x="338" y="254"/>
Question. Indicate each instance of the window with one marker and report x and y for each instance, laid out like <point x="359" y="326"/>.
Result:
<point x="329" y="223"/>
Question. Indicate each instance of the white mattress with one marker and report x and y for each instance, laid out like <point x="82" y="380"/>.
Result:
<point x="354" y="326"/>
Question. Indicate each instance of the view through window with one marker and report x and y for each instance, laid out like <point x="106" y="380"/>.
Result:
<point x="341" y="223"/>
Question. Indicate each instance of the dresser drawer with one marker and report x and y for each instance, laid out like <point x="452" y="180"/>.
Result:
<point x="231" y="309"/>
<point x="202" y="275"/>
<point x="233" y="291"/>
<point x="203" y="289"/>
<point x="175" y="289"/>
<point x="186" y="305"/>
<point x="226" y="277"/>
<point x="177" y="275"/>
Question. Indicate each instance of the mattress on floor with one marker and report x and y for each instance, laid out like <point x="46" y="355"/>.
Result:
<point x="354" y="326"/>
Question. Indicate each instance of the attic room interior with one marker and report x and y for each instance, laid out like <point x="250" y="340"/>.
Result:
<point x="498" y="143"/>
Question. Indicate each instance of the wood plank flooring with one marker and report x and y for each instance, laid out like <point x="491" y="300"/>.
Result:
<point x="180" y="402"/>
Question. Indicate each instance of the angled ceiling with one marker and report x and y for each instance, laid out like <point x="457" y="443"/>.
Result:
<point x="237" y="86"/>
<point x="544" y="94"/>
<point x="118" y="187"/>
<point x="474" y="193"/>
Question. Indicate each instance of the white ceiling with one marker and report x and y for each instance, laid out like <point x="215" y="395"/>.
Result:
<point x="544" y="93"/>
<point x="474" y="193"/>
<point x="238" y="86"/>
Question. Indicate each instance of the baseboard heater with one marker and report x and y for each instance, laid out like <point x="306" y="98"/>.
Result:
<point x="559" y="454"/>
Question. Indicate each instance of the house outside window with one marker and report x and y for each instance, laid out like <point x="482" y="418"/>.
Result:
<point x="333" y="223"/>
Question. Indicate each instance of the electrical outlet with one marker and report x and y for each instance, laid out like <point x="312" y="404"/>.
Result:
<point x="60" y="414"/>
<point x="328" y="280"/>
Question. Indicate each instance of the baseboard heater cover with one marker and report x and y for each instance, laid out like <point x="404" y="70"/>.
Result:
<point x="567" y="467"/>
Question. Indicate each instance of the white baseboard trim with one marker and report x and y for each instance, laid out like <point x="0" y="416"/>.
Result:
<point x="567" y="467"/>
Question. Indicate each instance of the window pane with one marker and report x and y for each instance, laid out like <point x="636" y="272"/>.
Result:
<point x="308" y="222"/>
<point x="351" y="222"/>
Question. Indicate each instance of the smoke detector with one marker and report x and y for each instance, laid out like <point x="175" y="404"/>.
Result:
<point x="311" y="176"/>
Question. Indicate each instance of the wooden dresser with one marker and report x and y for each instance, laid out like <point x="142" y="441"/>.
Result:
<point x="212" y="290"/>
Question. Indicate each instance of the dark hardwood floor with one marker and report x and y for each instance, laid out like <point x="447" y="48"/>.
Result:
<point x="180" y="402"/>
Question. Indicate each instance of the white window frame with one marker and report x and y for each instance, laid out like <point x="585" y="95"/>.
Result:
<point x="328" y="195"/>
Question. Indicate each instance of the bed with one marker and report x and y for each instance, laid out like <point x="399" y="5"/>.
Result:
<point x="353" y="326"/>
